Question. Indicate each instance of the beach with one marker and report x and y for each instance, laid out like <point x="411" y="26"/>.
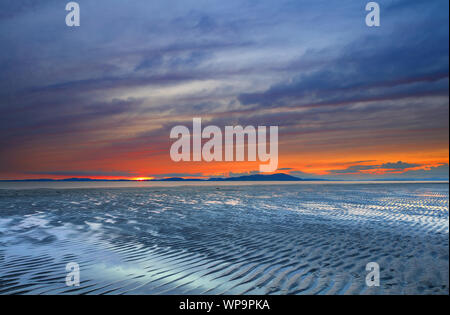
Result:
<point x="215" y="238"/>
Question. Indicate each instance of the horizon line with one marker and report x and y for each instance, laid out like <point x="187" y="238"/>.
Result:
<point x="187" y="178"/>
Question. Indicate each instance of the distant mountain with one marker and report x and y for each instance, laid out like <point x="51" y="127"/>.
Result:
<point x="67" y="180"/>
<point x="280" y="177"/>
<point x="93" y="180"/>
<point x="247" y="178"/>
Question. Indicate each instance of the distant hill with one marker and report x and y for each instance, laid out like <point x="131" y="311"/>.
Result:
<point x="260" y="177"/>
<point x="281" y="177"/>
<point x="247" y="178"/>
<point x="67" y="180"/>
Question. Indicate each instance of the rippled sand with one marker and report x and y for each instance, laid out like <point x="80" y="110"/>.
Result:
<point x="270" y="239"/>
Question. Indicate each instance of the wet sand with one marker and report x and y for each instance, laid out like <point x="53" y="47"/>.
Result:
<point x="249" y="239"/>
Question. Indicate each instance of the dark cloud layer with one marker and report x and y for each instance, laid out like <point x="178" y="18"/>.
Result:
<point x="356" y="172"/>
<point x="370" y="68"/>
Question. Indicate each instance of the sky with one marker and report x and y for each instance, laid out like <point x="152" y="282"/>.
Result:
<point x="99" y="100"/>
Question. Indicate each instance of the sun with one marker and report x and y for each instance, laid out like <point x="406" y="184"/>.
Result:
<point x="140" y="179"/>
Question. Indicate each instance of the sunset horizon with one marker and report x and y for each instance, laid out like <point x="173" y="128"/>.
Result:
<point x="350" y="102"/>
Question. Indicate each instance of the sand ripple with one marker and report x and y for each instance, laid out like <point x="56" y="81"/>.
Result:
<point x="294" y="239"/>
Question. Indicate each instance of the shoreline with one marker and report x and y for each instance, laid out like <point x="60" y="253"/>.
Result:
<point x="25" y="185"/>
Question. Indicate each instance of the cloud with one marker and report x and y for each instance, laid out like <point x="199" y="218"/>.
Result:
<point x="440" y="172"/>
<point x="391" y="170"/>
<point x="368" y="69"/>
<point x="12" y="8"/>
<point x="412" y="63"/>
<point x="109" y="91"/>
<point x="385" y="168"/>
<point x="399" y="165"/>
